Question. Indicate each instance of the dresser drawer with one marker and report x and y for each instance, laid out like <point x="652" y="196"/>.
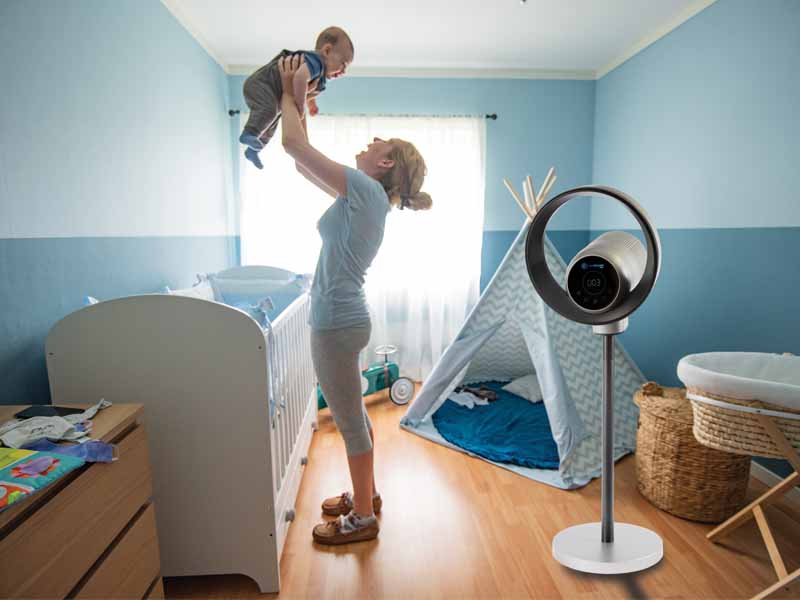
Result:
<point x="130" y="566"/>
<point x="48" y="552"/>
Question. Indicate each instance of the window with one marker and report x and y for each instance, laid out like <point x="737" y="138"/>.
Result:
<point x="425" y="278"/>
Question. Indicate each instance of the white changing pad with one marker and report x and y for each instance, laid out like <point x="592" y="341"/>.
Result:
<point x="771" y="378"/>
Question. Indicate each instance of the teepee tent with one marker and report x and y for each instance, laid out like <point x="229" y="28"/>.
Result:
<point x="512" y="333"/>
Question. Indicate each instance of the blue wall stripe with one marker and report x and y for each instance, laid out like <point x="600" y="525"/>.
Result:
<point x="45" y="279"/>
<point x="719" y="290"/>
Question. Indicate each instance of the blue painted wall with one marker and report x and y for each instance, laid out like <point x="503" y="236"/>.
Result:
<point x="541" y="123"/>
<point x="114" y="166"/>
<point x="702" y="128"/>
<point x="118" y="165"/>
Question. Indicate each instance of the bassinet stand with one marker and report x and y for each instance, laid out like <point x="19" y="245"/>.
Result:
<point x="756" y="508"/>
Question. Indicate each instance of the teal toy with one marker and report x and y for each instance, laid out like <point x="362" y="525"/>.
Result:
<point x="380" y="375"/>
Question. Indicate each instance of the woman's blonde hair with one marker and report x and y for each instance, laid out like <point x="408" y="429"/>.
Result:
<point x="405" y="178"/>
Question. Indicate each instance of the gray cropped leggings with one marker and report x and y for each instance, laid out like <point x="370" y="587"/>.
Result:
<point x="335" y="356"/>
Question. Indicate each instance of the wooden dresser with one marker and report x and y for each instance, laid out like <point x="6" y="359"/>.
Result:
<point x="92" y="534"/>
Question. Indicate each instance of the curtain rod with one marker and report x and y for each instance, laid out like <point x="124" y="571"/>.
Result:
<point x="492" y="116"/>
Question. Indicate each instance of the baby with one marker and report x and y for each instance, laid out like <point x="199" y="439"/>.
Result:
<point x="262" y="90"/>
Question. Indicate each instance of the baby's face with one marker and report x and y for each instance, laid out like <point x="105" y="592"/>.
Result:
<point x="337" y="59"/>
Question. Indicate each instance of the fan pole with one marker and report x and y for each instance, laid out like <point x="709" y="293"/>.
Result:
<point x="607" y="501"/>
<point x="621" y="547"/>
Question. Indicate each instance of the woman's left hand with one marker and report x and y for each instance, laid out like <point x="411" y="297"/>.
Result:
<point x="288" y="66"/>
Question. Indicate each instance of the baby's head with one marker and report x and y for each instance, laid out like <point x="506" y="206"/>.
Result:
<point x="336" y="49"/>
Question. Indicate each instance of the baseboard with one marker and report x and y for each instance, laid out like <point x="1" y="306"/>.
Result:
<point x="769" y="478"/>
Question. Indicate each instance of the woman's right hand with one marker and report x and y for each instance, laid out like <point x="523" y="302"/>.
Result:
<point x="288" y="66"/>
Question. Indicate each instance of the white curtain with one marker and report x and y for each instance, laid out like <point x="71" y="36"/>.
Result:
<point x="425" y="278"/>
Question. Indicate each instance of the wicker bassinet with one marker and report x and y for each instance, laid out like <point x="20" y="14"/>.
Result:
<point x="741" y="432"/>
<point x="744" y="402"/>
<point x="674" y="471"/>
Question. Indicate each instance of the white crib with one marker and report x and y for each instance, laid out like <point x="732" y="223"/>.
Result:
<point x="226" y="467"/>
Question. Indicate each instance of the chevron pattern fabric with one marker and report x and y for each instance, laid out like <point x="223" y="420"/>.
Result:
<point x="511" y="296"/>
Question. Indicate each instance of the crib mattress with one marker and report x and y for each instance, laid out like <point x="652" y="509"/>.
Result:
<point x="771" y="378"/>
<point x="509" y="430"/>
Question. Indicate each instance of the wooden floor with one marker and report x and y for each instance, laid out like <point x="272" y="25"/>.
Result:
<point x="458" y="527"/>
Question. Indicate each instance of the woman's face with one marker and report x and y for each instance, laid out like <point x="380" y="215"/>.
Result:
<point x="376" y="157"/>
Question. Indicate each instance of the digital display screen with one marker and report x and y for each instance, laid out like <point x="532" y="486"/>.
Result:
<point x="593" y="283"/>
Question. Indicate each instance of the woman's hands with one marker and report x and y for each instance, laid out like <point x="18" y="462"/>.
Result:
<point x="288" y="66"/>
<point x="328" y="175"/>
<point x="294" y="80"/>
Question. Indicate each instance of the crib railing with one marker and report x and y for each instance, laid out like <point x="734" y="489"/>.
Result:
<point x="293" y="382"/>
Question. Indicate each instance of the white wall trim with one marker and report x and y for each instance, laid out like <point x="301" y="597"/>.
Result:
<point x="174" y="7"/>
<point x="240" y="69"/>
<point x="769" y="478"/>
<point x="655" y="35"/>
<point x="446" y="73"/>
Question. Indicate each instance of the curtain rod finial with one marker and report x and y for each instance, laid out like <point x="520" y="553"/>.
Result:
<point x="232" y="112"/>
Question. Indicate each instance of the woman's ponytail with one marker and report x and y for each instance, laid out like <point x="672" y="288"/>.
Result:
<point x="405" y="178"/>
<point x="421" y="201"/>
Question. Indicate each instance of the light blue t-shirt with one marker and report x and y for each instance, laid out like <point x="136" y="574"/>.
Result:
<point x="351" y="231"/>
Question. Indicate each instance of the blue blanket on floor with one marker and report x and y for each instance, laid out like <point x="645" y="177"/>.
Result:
<point x="509" y="430"/>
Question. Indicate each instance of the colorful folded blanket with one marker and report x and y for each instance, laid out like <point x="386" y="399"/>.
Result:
<point x="25" y="472"/>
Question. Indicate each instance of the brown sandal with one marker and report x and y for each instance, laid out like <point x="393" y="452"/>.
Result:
<point x="341" y="505"/>
<point x="342" y="531"/>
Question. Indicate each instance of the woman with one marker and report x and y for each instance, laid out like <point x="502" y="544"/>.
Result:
<point x="388" y="174"/>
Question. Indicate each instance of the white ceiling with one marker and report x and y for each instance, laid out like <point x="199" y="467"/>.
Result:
<point x="583" y="38"/>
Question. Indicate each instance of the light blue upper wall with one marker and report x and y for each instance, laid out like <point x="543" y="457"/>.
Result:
<point x="703" y="127"/>
<point x="113" y="123"/>
<point x="541" y="123"/>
